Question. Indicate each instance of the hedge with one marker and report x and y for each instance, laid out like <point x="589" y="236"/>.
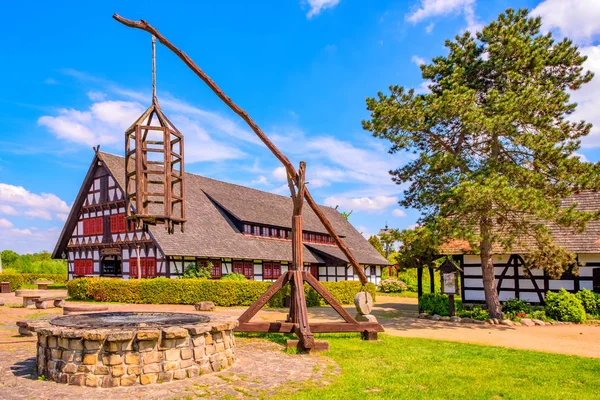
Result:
<point x="223" y="293"/>
<point x="18" y="280"/>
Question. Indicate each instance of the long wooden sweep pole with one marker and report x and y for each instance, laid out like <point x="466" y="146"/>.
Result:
<point x="291" y="171"/>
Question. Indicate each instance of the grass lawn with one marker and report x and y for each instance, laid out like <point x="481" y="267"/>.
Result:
<point x="410" y="368"/>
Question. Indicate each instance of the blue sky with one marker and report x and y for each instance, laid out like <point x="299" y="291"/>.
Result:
<point x="74" y="78"/>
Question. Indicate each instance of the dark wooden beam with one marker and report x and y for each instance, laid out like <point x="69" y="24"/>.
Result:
<point x="264" y="299"/>
<point x="315" y="327"/>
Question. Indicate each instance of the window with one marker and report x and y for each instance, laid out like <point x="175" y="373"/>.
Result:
<point x="148" y="267"/>
<point x="83" y="267"/>
<point x="256" y="230"/>
<point x="248" y="229"/>
<point x="314" y="270"/>
<point x="313" y="238"/>
<point x="282" y="234"/>
<point x="92" y="226"/>
<point x="245" y="268"/>
<point x="271" y="270"/>
<point x="305" y="237"/>
<point x="265" y="231"/>
<point x="118" y="223"/>
<point x="216" y="271"/>
<point x="274" y="232"/>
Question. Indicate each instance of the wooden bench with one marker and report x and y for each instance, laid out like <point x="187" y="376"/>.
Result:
<point x="80" y="309"/>
<point x="42" y="285"/>
<point x="34" y="297"/>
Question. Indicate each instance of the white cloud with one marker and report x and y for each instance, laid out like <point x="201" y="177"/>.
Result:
<point x="280" y="174"/>
<point x="282" y="190"/>
<point x="368" y="204"/>
<point x="417" y="60"/>
<point x="398" y="213"/>
<point x="317" y="5"/>
<point x="577" y="19"/>
<point x="432" y="8"/>
<point x="39" y="214"/>
<point x="95" y="95"/>
<point x="4" y="223"/>
<point x="429" y="28"/>
<point x="62" y="217"/>
<point x="588" y="102"/>
<point x="8" y="210"/>
<point x="28" y="240"/>
<point x="423" y="88"/>
<point x="261" y="180"/>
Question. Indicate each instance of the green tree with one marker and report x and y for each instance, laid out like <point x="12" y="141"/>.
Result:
<point x="418" y="247"/>
<point x="346" y="214"/>
<point x="8" y="258"/>
<point x="375" y="242"/>
<point x="495" y="149"/>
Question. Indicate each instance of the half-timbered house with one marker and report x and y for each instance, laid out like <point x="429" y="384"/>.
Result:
<point x="236" y="228"/>
<point x="513" y="280"/>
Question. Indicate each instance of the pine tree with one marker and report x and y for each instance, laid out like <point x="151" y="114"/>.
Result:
<point x="375" y="242"/>
<point x="495" y="150"/>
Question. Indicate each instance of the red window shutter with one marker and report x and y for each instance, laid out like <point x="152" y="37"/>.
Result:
<point x="99" y="226"/>
<point x="314" y="271"/>
<point x="151" y="267"/>
<point x="249" y="270"/>
<point x="91" y="267"/>
<point x="267" y="270"/>
<point x="133" y="267"/>
<point x="276" y="270"/>
<point x="216" y="271"/>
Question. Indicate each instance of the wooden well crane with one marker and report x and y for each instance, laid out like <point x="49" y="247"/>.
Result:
<point x="297" y="321"/>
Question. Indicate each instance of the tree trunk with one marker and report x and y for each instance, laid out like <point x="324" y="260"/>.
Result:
<point x="487" y="269"/>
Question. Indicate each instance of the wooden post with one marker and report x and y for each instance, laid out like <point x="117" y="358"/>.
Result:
<point x="451" y="304"/>
<point x="420" y="284"/>
<point x="431" y="280"/>
<point x="139" y="263"/>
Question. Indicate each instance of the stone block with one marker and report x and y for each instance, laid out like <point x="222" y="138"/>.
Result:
<point x="172" y="355"/>
<point x="118" y="370"/>
<point x="171" y="366"/>
<point x="92" y="380"/>
<point x="365" y="317"/>
<point x="109" y="382"/>
<point x="210" y="350"/>
<point x="112" y="347"/>
<point x="129" y="380"/>
<point x="102" y="370"/>
<point x="134" y="370"/>
<point x="205" y="306"/>
<point x="43" y="340"/>
<point x="61" y="378"/>
<point x="220" y="347"/>
<point x="146" y="345"/>
<point x="151" y="368"/>
<point x="147" y="379"/>
<point x="192" y="371"/>
<point x="150" y="334"/>
<point x="216" y="366"/>
<point x="68" y="355"/>
<point x="97" y="335"/>
<point x="174" y="332"/>
<point x="179" y="374"/>
<point x="63" y="342"/>
<point x="60" y="365"/>
<point x="186" y="363"/>
<point x="112" y="359"/>
<point x="90" y="359"/>
<point x="199" y="353"/>
<point x="164" y="377"/>
<point x="186" y="353"/>
<point x="119" y="336"/>
<point x="208" y="339"/>
<point x="76" y="344"/>
<point x="85" y="369"/>
<point x="152" y="357"/>
<point x="132" y="358"/>
<point x="198" y="329"/>
<point x="198" y="340"/>
<point x="92" y="345"/>
<point x="77" y="380"/>
<point x="127" y="345"/>
<point x="56" y="354"/>
<point x="527" y="322"/>
<point x="70" y="368"/>
<point x="217" y="336"/>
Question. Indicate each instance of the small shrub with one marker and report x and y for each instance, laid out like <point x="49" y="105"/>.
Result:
<point x="477" y="313"/>
<point x="516" y="306"/>
<point x="564" y="306"/>
<point x="590" y="301"/>
<point x="539" y="314"/>
<point x="18" y="280"/>
<point x="392" y="285"/>
<point x="234" y="277"/>
<point x="197" y="271"/>
<point x="436" y="303"/>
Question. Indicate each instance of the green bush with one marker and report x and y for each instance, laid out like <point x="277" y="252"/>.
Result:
<point x="477" y="313"/>
<point x="590" y="301"/>
<point x="223" y="293"/>
<point x="539" y="314"/>
<point x="197" y="271"/>
<point x="234" y="277"/>
<point x="516" y="306"/>
<point x="18" y="280"/>
<point x="437" y="303"/>
<point x="564" y="306"/>
<point x="392" y="285"/>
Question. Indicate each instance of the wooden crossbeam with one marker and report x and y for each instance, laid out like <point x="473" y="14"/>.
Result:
<point x="264" y="299"/>
<point x="332" y="301"/>
<point x="315" y="327"/>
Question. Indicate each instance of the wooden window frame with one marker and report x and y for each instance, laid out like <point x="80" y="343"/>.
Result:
<point x="247" y="229"/>
<point x="256" y="230"/>
<point x="148" y="267"/>
<point x="264" y="230"/>
<point x="118" y="223"/>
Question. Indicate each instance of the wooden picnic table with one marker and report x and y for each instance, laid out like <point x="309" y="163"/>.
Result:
<point x="42" y="285"/>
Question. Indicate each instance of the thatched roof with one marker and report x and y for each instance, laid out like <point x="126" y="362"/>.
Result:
<point x="586" y="242"/>
<point x="213" y="207"/>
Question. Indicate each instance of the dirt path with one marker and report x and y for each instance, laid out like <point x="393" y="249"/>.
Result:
<point x="397" y="315"/>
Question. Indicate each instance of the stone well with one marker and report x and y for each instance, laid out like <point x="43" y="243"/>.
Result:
<point x="129" y="348"/>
